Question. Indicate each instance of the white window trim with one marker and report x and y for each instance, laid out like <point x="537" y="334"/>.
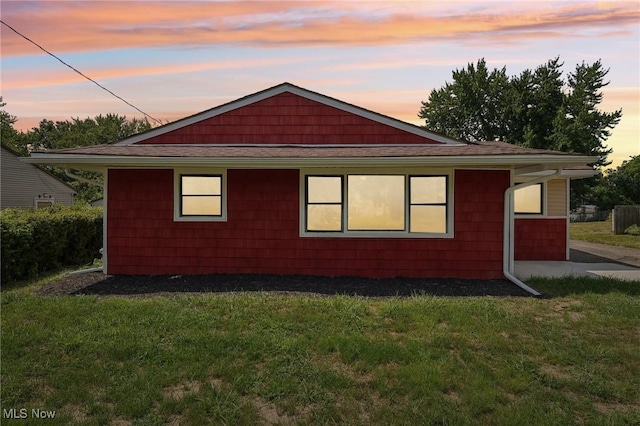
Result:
<point x="43" y="199"/>
<point x="345" y="233"/>
<point x="177" y="196"/>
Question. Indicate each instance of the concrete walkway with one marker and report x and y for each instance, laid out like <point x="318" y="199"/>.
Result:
<point x="587" y="259"/>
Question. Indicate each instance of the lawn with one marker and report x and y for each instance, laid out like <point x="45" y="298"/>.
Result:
<point x="261" y="358"/>
<point x="600" y="232"/>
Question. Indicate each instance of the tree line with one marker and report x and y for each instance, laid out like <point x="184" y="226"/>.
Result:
<point x="76" y="132"/>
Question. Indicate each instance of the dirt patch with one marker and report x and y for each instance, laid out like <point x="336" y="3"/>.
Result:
<point x="178" y="392"/>
<point x="555" y="372"/>
<point x="96" y="283"/>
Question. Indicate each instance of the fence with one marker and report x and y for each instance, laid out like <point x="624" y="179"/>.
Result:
<point x="596" y="216"/>
<point x="624" y="217"/>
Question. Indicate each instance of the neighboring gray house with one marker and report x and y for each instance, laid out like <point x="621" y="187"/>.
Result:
<point x="24" y="185"/>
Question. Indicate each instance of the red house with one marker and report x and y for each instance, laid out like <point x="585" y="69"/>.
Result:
<point x="289" y="181"/>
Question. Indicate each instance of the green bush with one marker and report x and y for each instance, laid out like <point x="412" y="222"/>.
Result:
<point x="633" y="230"/>
<point x="35" y="241"/>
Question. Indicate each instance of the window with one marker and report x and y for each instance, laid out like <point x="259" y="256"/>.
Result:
<point x="376" y="203"/>
<point x="428" y="204"/>
<point x="324" y="203"/>
<point x="43" y="201"/>
<point x="199" y="197"/>
<point x="528" y="200"/>
<point x="359" y="204"/>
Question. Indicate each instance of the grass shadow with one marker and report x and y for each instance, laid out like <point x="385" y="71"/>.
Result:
<point x="570" y="285"/>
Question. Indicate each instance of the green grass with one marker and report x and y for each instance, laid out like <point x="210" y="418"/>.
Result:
<point x="600" y="232"/>
<point x="266" y="359"/>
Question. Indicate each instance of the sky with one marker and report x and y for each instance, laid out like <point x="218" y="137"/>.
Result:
<point x="173" y="59"/>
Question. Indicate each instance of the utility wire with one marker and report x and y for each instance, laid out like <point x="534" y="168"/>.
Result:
<point x="78" y="72"/>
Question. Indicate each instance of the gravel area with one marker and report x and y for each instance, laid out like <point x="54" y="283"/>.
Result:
<point x="96" y="283"/>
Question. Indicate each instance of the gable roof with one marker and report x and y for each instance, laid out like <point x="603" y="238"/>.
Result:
<point x="235" y="135"/>
<point x="288" y="114"/>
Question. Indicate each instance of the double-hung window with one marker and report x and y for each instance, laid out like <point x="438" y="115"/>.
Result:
<point x="371" y="205"/>
<point x="199" y="196"/>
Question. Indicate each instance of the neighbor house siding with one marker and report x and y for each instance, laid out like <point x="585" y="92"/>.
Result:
<point x="287" y="119"/>
<point x="261" y="234"/>
<point x="22" y="182"/>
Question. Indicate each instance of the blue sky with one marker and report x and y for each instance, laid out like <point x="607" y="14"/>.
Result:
<point x="173" y="59"/>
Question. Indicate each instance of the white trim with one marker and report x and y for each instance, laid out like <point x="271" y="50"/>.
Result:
<point x="508" y="242"/>
<point x="177" y="172"/>
<point x="345" y="233"/>
<point x="279" y="89"/>
<point x="85" y="160"/>
<point x="105" y="215"/>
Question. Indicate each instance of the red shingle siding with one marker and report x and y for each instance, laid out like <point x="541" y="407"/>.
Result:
<point x="540" y="239"/>
<point x="287" y="119"/>
<point x="262" y="232"/>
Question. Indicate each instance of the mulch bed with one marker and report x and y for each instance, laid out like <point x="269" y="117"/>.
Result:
<point x="96" y="283"/>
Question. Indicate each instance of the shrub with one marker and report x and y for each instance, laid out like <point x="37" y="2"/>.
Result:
<point x="35" y="241"/>
<point x="633" y="230"/>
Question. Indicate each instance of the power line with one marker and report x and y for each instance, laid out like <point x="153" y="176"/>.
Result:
<point x="78" y="72"/>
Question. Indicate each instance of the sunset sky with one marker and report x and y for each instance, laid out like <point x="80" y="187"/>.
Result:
<point x="173" y="59"/>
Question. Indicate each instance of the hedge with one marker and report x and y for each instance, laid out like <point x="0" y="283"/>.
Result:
<point x="35" y="241"/>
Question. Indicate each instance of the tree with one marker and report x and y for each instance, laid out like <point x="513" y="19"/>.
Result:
<point x="536" y="109"/>
<point x="9" y="136"/>
<point x="620" y="186"/>
<point x="103" y="129"/>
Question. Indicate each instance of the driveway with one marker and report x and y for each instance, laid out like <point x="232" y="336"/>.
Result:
<point x="586" y="259"/>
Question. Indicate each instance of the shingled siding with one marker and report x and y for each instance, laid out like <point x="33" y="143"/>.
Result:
<point x="287" y="119"/>
<point x="540" y="239"/>
<point x="262" y="232"/>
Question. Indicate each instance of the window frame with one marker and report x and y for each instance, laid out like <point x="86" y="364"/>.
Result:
<point x="543" y="207"/>
<point x="178" y="197"/>
<point x="341" y="203"/>
<point x="407" y="173"/>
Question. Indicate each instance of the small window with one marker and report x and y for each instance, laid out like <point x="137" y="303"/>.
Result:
<point x="428" y="204"/>
<point x="43" y="201"/>
<point x="528" y="200"/>
<point x="199" y="196"/>
<point x="324" y="203"/>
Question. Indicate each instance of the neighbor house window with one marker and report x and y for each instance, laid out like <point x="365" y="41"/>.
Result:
<point x="528" y="200"/>
<point x="392" y="205"/>
<point x="199" y="196"/>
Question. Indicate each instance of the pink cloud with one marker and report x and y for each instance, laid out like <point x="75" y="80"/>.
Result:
<point x="112" y="25"/>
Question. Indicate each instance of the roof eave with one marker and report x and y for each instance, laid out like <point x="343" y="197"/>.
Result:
<point x="507" y="161"/>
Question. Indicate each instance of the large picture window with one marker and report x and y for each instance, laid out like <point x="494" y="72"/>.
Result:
<point x="362" y="204"/>
<point x="199" y="196"/>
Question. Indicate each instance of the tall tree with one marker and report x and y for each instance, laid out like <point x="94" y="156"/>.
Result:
<point x="537" y="109"/>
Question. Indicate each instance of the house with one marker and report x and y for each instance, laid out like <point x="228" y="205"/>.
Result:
<point x="290" y="181"/>
<point x="25" y="185"/>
